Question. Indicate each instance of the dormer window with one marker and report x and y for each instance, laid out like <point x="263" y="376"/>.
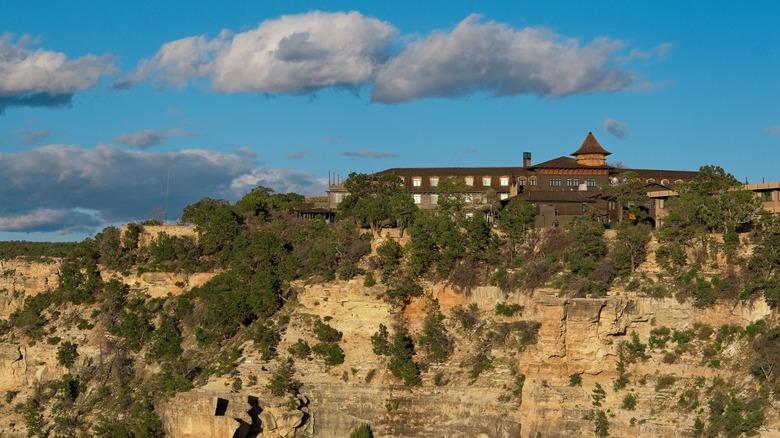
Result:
<point x="434" y="181"/>
<point x="469" y="180"/>
<point x="417" y="181"/>
<point x="486" y="180"/>
<point x="504" y="181"/>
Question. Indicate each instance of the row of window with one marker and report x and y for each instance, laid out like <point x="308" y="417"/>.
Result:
<point x="487" y="181"/>
<point x="434" y="198"/>
<point x="572" y="182"/>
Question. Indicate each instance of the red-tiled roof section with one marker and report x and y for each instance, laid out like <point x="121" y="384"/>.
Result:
<point x="565" y="163"/>
<point x="591" y="146"/>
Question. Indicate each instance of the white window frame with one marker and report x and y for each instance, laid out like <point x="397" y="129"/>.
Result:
<point x="486" y="181"/>
<point x="504" y="181"/>
<point x="417" y="181"/>
<point x="469" y="180"/>
<point x="417" y="198"/>
<point x="434" y="180"/>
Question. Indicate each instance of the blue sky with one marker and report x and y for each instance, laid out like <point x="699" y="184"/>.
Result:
<point x="99" y="101"/>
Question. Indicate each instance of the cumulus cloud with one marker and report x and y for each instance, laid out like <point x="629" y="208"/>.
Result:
<point x="281" y="180"/>
<point x="43" y="78"/>
<point x="772" y="129"/>
<point x="615" y="127"/>
<point x="304" y="53"/>
<point x="149" y="137"/>
<point x="368" y="153"/>
<point x="63" y="188"/>
<point x="62" y="221"/>
<point x="32" y="136"/>
<point x="177" y="62"/>
<point x="497" y="59"/>
<point x="291" y="54"/>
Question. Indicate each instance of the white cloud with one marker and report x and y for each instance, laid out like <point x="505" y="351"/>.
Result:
<point x="659" y="52"/>
<point x="149" y="137"/>
<point x="615" y="127"/>
<point x="61" y="221"/>
<point x="281" y="180"/>
<point x="301" y="53"/>
<point x="45" y="78"/>
<point x="291" y="54"/>
<point x="48" y="188"/>
<point x="177" y="62"/>
<point x="304" y="53"/>
<point x="368" y="153"/>
<point x="497" y="59"/>
<point x="32" y="136"/>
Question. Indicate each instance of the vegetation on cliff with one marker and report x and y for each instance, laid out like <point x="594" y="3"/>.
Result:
<point x="155" y="347"/>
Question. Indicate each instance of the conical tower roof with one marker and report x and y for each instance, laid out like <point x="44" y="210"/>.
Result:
<point x="591" y="146"/>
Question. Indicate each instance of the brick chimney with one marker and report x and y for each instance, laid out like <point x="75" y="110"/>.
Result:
<point x="526" y="159"/>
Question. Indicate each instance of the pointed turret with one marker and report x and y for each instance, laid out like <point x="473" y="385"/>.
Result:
<point x="591" y="153"/>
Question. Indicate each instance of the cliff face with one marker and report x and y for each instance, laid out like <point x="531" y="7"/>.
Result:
<point x="576" y="337"/>
<point x="20" y="278"/>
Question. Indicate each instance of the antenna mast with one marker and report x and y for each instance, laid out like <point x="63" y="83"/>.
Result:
<point x="167" y="191"/>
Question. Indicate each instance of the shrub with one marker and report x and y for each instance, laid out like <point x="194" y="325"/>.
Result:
<point x="282" y="381"/>
<point x="598" y="395"/>
<point x="467" y="317"/>
<point x="362" y="431"/>
<point x="326" y="333"/>
<point x="629" y="402"/>
<point x="67" y="354"/>
<point x="505" y="309"/>
<point x="664" y="382"/>
<point x="379" y="343"/>
<point x="635" y="349"/>
<point x="401" y="363"/>
<point x="300" y="349"/>
<point x="369" y="280"/>
<point x="601" y="424"/>
<point x="166" y="341"/>
<point x="434" y="339"/>
<point x="575" y="380"/>
<point x="330" y="352"/>
<point x="620" y="382"/>
<point x="266" y="338"/>
<point x="519" y="383"/>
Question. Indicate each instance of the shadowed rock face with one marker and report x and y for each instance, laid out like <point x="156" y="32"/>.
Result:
<point x="200" y="413"/>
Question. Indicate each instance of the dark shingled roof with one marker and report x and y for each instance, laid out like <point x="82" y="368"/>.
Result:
<point x="558" y="196"/>
<point x="591" y="146"/>
<point x="659" y="174"/>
